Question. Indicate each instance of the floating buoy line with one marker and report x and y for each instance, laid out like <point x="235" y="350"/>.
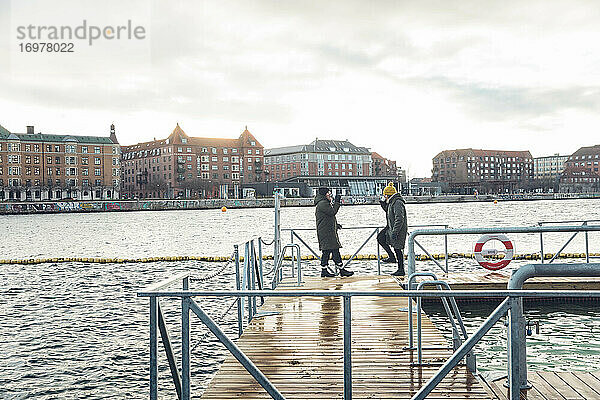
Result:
<point x="418" y="257"/>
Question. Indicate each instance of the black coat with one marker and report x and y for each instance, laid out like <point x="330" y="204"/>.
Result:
<point x="326" y="223"/>
<point x="396" y="222"/>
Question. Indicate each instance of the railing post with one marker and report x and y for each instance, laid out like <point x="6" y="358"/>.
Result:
<point x="185" y="348"/>
<point x="587" y="245"/>
<point x="410" y="261"/>
<point x="378" y="255"/>
<point x="542" y="247"/>
<point x="247" y="273"/>
<point x="153" y="349"/>
<point x="253" y="274"/>
<point x="517" y="357"/>
<point x="347" y="347"/>
<point x="446" y="250"/>
<point x="236" y="252"/>
<point x="299" y="266"/>
<point x="260" y="262"/>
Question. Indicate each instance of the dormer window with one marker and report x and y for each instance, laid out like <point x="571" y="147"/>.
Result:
<point x="183" y="140"/>
<point x="252" y="143"/>
<point x="332" y="149"/>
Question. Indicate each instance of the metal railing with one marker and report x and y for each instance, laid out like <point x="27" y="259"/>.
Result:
<point x="373" y="232"/>
<point x="411" y="267"/>
<point x="587" y="240"/>
<point x="512" y="305"/>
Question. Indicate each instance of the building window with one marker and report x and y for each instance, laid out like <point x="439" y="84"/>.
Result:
<point x="97" y="160"/>
<point x="84" y="160"/>
<point x="70" y="148"/>
<point x="97" y="149"/>
<point x="84" y="149"/>
<point x="84" y="171"/>
<point x="97" y="171"/>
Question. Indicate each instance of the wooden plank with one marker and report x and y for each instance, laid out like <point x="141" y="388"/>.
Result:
<point x="301" y="349"/>
<point x="560" y="386"/>
<point x="579" y="382"/>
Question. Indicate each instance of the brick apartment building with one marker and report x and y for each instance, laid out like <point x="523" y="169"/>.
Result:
<point x="39" y="166"/>
<point x="485" y="171"/>
<point x="182" y="166"/>
<point x="338" y="164"/>
<point x="582" y="171"/>
<point x="383" y="166"/>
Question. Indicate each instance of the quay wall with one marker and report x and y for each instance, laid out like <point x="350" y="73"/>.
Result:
<point x="148" y="205"/>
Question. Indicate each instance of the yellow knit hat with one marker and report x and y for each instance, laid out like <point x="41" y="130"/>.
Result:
<point x="389" y="190"/>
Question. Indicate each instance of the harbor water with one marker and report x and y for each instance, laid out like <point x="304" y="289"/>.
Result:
<point x="77" y="330"/>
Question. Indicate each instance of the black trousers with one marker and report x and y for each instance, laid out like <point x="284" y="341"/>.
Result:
<point x="334" y="254"/>
<point x="382" y="240"/>
<point x="400" y="259"/>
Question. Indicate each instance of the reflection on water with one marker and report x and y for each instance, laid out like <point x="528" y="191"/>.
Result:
<point x="569" y="337"/>
<point x="77" y="330"/>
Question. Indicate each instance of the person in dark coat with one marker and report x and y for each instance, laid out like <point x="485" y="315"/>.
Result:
<point x="397" y="225"/>
<point x="327" y="226"/>
<point x="382" y="237"/>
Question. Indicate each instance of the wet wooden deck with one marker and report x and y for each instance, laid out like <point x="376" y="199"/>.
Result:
<point x="551" y="385"/>
<point x="301" y="349"/>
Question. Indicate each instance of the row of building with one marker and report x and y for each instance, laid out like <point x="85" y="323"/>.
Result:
<point x="37" y="166"/>
<point x="468" y="171"/>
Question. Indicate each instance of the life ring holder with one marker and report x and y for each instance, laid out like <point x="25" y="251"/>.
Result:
<point x="508" y="254"/>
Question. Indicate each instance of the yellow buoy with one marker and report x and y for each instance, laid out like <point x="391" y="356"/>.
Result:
<point x="495" y="201"/>
<point x="223" y="209"/>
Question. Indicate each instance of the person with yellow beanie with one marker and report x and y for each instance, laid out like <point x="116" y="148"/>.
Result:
<point x="396" y="227"/>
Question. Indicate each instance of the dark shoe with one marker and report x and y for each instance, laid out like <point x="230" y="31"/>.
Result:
<point x="398" y="272"/>
<point x="326" y="274"/>
<point x="345" y="272"/>
<point x="391" y="260"/>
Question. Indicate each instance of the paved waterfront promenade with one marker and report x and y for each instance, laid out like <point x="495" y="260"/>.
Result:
<point x="12" y="207"/>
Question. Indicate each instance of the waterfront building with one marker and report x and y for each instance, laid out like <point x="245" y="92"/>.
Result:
<point x="582" y="171"/>
<point x="346" y="168"/>
<point x="40" y="166"/>
<point x="383" y="166"/>
<point x="549" y="167"/>
<point x="466" y="171"/>
<point x="182" y="166"/>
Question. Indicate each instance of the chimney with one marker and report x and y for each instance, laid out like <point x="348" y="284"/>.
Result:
<point x="30" y="130"/>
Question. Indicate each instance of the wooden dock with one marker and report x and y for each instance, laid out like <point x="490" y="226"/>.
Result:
<point x="301" y="349"/>
<point x="550" y="386"/>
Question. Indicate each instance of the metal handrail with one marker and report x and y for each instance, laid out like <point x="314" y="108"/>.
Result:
<point x="511" y="297"/>
<point x="587" y="240"/>
<point x="465" y="231"/>
<point x="377" y="229"/>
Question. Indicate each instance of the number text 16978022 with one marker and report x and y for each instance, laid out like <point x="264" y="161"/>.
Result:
<point x="46" y="47"/>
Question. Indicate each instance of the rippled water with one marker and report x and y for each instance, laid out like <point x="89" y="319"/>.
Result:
<point x="77" y="330"/>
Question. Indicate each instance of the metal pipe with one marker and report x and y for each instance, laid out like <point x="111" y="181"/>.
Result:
<point x="378" y="256"/>
<point x="236" y="252"/>
<point x="153" y="350"/>
<point x="359" y="249"/>
<point x="164" y="334"/>
<point x="236" y="352"/>
<point x="396" y="293"/>
<point x="347" y="348"/>
<point x="517" y="338"/>
<point x="411" y="279"/>
<point x="299" y="266"/>
<point x="185" y="348"/>
<point x="429" y="255"/>
<point x="253" y="276"/>
<point x="307" y="246"/>
<point x="260" y="269"/>
<point x="247" y="274"/>
<point x="562" y="248"/>
<point x="587" y="246"/>
<point x="462" y="351"/>
<point x="542" y="247"/>
<point x="446" y="252"/>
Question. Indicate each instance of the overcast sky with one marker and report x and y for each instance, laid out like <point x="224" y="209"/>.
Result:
<point x="405" y="78"/>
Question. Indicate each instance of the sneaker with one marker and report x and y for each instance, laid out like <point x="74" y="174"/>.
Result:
<point x="326" y="274"/>
<point x="398" y="272"/>
<point x="345" y="272"/>
<point x="391" y="260"/>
